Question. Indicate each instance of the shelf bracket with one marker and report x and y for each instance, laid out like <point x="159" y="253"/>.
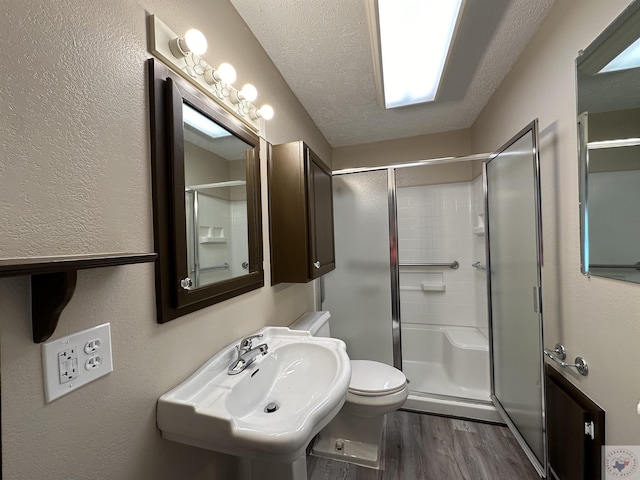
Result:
<point x="50" y="293"/>
<point x="53" y="282"/>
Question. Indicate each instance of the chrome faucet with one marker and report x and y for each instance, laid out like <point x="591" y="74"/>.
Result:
<point x="246" y="354"/>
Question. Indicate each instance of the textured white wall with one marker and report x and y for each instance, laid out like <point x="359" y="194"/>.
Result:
<point x="75" y="178"/>
<point x="594" y="317"/>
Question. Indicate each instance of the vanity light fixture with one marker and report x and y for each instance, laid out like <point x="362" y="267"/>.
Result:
<point x="248" y="93"/>
<point x="183" y="54"/>
<point x="412" y="40"/>
<point x="265" y="111"/>
<point x="220" y="79"/>
<point x="193" y="41"/>
<point x="225" y="74"/>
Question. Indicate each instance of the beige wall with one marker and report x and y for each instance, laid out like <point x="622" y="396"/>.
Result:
<point x="75" y="178"/>
<point x="594" y="317"/>
<point x="423" y="147"/>
<point x="614" y="125"/>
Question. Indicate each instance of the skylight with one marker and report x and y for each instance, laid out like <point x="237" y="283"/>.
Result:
<point x="201" y="123"/>
<point x="629" y="58"/>
<point x="415" y="38"/>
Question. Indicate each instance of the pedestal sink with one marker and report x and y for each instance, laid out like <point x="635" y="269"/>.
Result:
<point x="268" y="413"/>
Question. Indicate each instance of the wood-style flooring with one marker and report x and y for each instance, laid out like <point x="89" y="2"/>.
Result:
<point x="428" y="447"/>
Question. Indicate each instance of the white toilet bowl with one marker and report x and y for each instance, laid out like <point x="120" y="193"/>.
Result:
<point x="355" y="434"/>
<point x="375" y="389"/>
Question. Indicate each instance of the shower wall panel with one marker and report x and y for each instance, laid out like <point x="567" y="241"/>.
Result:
<point x="213" y="213"/>
<point x="480" y="255"/>
<point x="240" y="245"/>
<point x="435" y="224"/>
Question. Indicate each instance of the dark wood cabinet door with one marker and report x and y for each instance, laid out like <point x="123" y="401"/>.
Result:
<point x="322" y="255"/>
<point x="300" y="214"/>
<point x="573" y="453"/>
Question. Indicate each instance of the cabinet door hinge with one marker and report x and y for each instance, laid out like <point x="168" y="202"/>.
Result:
<point x="590" y="429"/>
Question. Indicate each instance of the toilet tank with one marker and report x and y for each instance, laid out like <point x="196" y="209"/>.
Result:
<point x="317" y="323"/>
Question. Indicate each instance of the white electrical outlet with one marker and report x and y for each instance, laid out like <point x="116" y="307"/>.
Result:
<point x="75" y="360"/>
<point x="68" y="364"/>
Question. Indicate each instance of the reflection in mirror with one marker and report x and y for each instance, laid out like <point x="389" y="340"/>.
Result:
<point x="215" y="200"/>
<point x="608" y="79"/>
<point x="206" y="198"/>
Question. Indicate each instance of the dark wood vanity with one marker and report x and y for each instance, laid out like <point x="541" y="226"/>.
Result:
<point x="300" y="213"/>
<point x="575" y="430"/>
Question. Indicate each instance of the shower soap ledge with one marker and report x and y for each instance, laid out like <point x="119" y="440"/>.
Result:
<point x="433" y="287"/>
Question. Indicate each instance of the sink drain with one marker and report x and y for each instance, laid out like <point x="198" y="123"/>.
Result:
<point x="271" y="407"/>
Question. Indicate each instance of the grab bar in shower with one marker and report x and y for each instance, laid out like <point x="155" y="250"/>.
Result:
<point x="452" y="265"/>
<point x="223" y="266"/>
<point x="635" y="266"/>
<point x="559" y="354"/>
<point x="479" y="266"/>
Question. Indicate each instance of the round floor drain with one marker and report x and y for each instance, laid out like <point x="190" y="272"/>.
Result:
<point x="271" y="407"/>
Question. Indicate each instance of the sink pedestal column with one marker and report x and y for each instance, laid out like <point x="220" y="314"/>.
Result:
<point x="251" y="469"/>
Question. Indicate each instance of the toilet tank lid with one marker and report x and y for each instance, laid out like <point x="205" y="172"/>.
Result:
<point x="375" y="377"/>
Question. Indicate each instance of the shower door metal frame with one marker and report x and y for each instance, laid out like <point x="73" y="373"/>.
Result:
<point x="542" y="469"/>
<point x="195" y="232"/>
<point x="396" y="322"/>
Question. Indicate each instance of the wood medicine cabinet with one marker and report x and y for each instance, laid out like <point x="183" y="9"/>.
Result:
<point x="301" y="214"/>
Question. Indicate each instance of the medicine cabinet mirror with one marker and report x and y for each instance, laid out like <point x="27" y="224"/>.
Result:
<point x="206" y="198"/>
<point x="608" y="80"/>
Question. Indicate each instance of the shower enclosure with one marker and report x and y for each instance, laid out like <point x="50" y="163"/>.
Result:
<point x="415" y="245"/>
<point x="217" y="240"/>
<point x="431" y="218"/>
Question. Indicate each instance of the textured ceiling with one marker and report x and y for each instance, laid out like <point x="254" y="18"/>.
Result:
<point x="323" y="51"/>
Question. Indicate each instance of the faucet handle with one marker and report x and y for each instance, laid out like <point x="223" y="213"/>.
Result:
<point x="245" y="343"/>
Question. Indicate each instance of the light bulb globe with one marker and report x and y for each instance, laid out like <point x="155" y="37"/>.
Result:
<point x="226" y="73"/>
<point x="266" y="112"/>
<point x="195" y="41"/>
<point x="249" y="92"/>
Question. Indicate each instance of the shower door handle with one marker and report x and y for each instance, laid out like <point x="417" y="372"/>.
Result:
<point x="536" y="300"/>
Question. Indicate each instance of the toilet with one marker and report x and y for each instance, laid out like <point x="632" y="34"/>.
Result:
<point x="355" y="434"/>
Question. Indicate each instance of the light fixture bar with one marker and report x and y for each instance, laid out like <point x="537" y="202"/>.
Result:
<point x="183" y="55"/>
<point x="415" y="39"/>
<point x="629" y="58"/>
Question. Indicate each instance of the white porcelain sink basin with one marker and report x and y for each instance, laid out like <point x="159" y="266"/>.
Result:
<point x="304" y="379"/>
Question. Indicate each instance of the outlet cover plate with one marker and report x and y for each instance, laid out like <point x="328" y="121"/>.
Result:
<point x="87" y="354"/>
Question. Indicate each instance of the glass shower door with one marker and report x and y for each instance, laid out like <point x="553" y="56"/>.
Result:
<point x="358" y="291"/>
<point x="514" y="267"/>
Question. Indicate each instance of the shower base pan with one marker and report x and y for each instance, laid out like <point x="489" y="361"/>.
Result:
<point x="452" y="407"/>
<point x="448" y="371"/>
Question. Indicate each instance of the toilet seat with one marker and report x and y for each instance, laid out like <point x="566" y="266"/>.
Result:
<point x="374" y="379"/>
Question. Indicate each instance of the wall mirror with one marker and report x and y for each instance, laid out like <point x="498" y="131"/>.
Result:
<point x="206" y="198"/>
<point x="608" y="91"/>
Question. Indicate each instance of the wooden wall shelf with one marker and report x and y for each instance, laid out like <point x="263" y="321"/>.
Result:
<point x="53" y="282"/>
